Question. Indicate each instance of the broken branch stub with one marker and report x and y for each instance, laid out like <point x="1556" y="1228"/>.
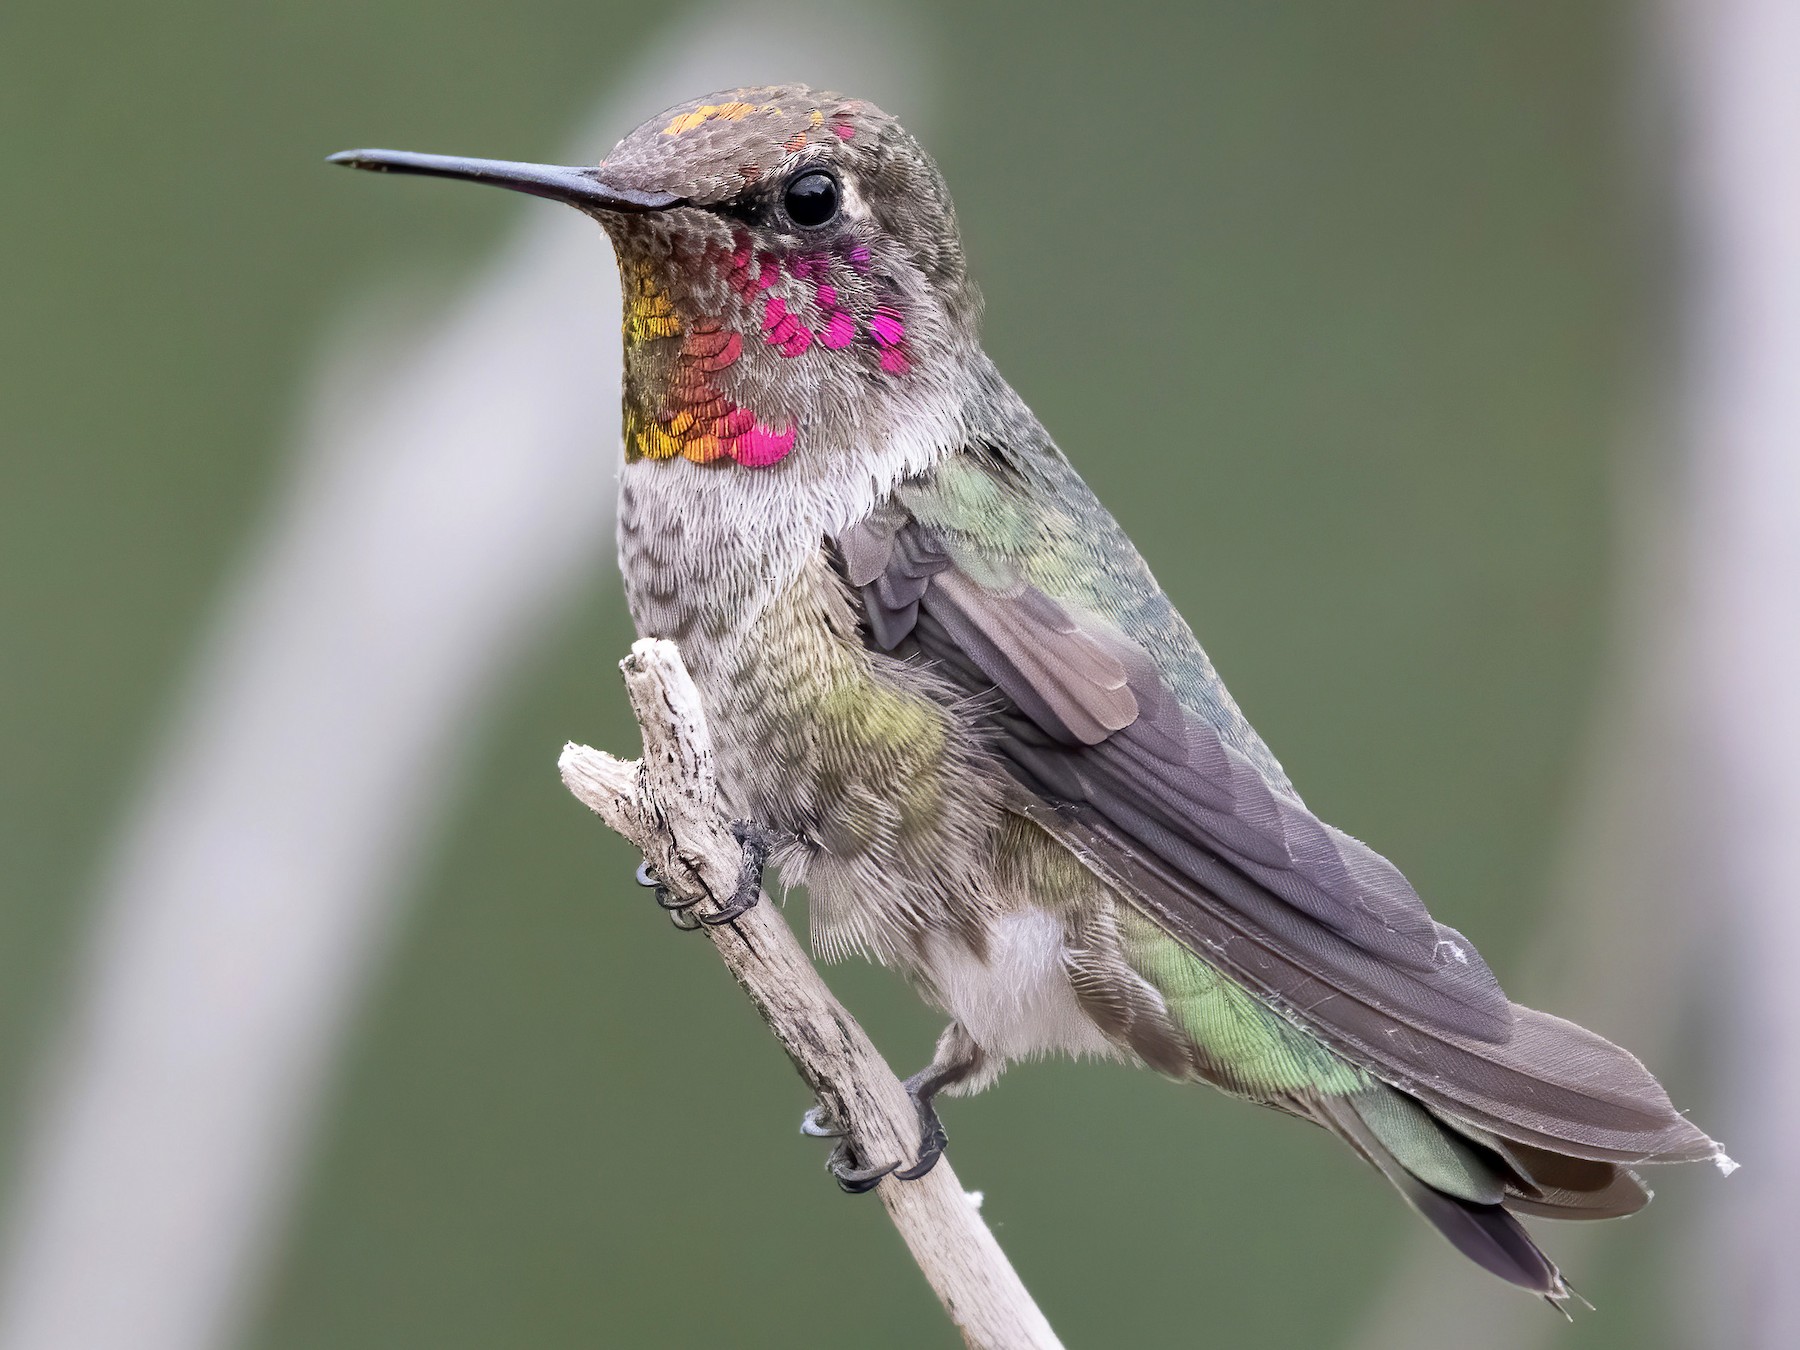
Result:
<point x="666" y="805"/>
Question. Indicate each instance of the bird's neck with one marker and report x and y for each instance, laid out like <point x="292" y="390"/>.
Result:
<point x="683" y="384"/>
<point x="747" y="357"/>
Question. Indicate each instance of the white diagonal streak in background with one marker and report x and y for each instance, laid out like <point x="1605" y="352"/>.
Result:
<point x="1693" y="870"/>
<point x="1736" y="66"/>
<point x="437" y="521"/>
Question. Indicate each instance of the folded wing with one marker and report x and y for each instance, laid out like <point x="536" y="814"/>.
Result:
<point x="1155" y="798"/>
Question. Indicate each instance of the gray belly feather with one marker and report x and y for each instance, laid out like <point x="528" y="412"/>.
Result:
<point x="891" y="815"/>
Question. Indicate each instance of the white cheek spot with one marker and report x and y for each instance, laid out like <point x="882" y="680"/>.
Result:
<point x="850" y="200"/>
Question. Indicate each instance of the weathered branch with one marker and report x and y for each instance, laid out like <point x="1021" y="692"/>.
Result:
<point x="666" y="806"/>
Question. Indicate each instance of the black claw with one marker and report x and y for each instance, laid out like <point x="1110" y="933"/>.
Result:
<point x="843" y="1164"/>
<point x="737" y="907"/>
<point x="923" y="1087"/>
<point x="678" y="909"/>
<point x="757" y="842"/>
<point x="853" y="1180"/>
<point x="932" y="1140"/>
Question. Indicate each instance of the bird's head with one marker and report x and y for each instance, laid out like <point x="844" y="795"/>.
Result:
<point x="793" y="281"/>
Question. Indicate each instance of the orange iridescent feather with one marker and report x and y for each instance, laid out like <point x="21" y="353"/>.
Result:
<point x="695" y="420"/>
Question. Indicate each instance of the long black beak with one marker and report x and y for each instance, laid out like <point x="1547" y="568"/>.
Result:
<point x="577" y="187"/>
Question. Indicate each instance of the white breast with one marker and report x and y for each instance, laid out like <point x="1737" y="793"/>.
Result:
<point x="1017" y="1004"/>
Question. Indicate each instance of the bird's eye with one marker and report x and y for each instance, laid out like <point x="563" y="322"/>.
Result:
<point x="811" y="199"/>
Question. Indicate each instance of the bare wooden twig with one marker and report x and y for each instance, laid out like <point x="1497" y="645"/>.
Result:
<point x="666" y="805"/>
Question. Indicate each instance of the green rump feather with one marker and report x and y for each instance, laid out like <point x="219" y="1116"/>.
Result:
<point x="1248" y="1047"/>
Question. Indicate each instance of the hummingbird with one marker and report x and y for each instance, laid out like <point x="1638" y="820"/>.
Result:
<point x="963" y="714"/>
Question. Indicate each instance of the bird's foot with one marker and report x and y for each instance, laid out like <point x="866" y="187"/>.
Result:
<point x="851" y="1174"/>
<point x="818" y="1123"/>
<point x="679" y="910"/>
<point x="756" y="843"/>
<point x="855" y="1177"/>
<point x="922" y="1087"/>
<point x="851" y="1178"/>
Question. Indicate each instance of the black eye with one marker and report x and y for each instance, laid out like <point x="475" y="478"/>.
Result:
<point x="811" y="199"/>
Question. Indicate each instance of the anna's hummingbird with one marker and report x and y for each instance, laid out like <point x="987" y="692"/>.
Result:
<point x="973" y="725"/>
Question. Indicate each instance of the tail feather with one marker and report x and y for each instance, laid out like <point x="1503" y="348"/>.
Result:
<point x="1460" y="1187"/>
<point x="1488" y="1235"/>
<point x="1557" y="1186"/>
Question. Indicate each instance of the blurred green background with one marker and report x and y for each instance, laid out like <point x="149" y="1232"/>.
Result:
<point x="1338" y="307"/>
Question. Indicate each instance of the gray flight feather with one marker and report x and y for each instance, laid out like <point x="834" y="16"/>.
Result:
<point x="1240" y="870"/>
